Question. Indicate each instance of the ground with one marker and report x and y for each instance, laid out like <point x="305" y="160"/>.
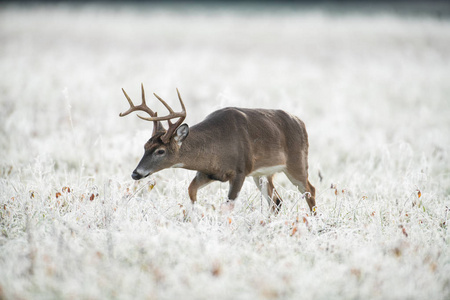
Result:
<point x="371" y="86"/>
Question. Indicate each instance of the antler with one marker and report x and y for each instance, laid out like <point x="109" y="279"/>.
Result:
<point x="142" y="107"/>
<point x="154" y="116"/>
<point x="172" y="127"/>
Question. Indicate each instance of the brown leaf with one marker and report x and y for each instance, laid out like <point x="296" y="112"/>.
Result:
<point x="433" y="267"/>
<point x="356" y="272"/>
<point x="294" y="230"/>
<point x="216" y="269"/>
<point x="305" y="220"/>
<point x="404" y="232"/>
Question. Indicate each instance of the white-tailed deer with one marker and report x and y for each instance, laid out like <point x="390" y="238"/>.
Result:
<point x="230" y="144"/>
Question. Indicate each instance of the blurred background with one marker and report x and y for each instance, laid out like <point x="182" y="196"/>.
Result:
<point x="360" y="74"/>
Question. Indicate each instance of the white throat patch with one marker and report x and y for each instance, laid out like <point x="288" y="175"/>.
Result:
<point x="179" y="165"/>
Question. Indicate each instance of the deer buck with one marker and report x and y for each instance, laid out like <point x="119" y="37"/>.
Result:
<point x="229" y="145"/>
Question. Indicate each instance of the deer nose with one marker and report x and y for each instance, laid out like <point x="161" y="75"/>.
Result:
<point x="136" y="175"/>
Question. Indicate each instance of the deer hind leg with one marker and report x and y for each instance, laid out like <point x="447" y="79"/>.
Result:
<point x="300" y="179"/>
<point x="199" y="181"/>
<point x="268" y="191"/>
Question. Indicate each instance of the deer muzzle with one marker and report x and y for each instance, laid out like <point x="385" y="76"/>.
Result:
<point x="136" y="176"/>
<point x="139" y="174"/>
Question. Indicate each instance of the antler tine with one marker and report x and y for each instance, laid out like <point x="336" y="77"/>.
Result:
<point x="181" y="101"/>
<point x="128" y="98"/>
<point x="142" y="107"/>
<point x="165" y="104"/>
<point x="143" y="94"/>
<point x="130" y="102"/>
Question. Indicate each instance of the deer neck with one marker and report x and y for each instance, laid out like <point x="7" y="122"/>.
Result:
<point x="195" y="152"/>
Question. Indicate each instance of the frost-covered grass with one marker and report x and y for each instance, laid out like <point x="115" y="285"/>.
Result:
<point x="373" y="90"/>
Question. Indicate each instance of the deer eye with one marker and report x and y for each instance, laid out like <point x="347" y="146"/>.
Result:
<point x="160" y="152"/>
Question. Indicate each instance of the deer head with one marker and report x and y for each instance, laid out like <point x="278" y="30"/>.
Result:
<point x="161" y="150"/>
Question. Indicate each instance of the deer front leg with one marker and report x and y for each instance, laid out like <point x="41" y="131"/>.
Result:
<point x="235" y="187"/>
<point x="199" y="181"/>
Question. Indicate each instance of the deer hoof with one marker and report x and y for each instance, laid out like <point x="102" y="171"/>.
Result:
<point x="227" y="207"/>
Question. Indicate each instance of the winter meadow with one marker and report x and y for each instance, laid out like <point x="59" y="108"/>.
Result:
<point x="373" y="88"/>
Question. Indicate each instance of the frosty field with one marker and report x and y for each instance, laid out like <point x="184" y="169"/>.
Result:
<point x="372" y="88"/>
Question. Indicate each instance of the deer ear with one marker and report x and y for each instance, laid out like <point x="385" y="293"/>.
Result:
<point x="181" y="133"/>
